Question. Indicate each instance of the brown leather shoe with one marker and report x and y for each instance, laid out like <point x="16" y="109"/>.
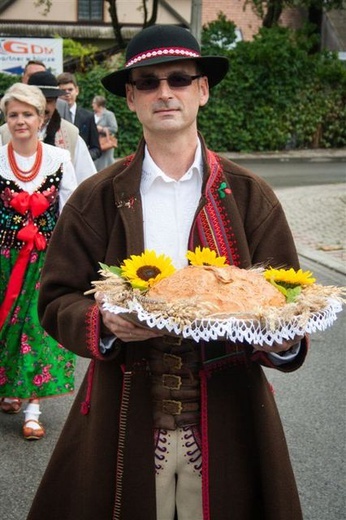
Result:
<point x="33" y="434"/>
<point x="11" y="407"/>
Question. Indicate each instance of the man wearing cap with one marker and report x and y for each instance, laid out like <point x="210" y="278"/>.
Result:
<point x="33" y="66"/>
<point x="56" y="130"/>
<point x="214" y="449"/>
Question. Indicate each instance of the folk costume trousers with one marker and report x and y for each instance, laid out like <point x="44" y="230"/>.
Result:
<point x="178" y="462"/>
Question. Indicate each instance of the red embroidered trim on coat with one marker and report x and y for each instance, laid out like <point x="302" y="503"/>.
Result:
<point x="93" y="331"/>
<point x="125" y="399"/>
<point x="86" y="404"/>
<point x="213" y="223"/>
<point x="205" y="447"/>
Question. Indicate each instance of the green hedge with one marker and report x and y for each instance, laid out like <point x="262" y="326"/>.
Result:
<point x="277" y="94"/>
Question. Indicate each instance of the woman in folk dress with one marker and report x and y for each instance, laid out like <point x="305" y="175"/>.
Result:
<point x="36" y="179"/>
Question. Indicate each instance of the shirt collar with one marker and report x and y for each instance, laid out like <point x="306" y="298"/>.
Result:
<point x="151" y="172"/>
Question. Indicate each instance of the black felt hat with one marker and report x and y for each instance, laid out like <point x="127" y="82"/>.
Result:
<point x="46" y="82"/>
<point x="164" y="44"/>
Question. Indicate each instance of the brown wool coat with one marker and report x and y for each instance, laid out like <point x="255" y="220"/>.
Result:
<point x="103" y="465"/>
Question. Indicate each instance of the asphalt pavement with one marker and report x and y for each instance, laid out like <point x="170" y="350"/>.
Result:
<point x="316" y="214"/>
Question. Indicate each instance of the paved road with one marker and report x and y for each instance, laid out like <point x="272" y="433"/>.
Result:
<point x="317" y="217"/>
<point x="312" y="405"/>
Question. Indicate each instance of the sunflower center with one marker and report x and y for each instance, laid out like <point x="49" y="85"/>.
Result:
<point x="145" y="272"/>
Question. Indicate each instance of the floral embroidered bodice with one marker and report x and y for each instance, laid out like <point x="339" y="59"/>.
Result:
<point x="37" y="212"/>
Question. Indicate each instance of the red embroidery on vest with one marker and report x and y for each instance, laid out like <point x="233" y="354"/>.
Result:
<point x="213" y="223"/>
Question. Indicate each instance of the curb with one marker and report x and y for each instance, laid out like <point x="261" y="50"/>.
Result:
<point x="321" y="259"/>
<point x="318" y="155"/>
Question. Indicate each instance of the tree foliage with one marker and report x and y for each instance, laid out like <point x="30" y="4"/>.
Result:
<point x="270" y="10"/>
<point x="276" y="95"/>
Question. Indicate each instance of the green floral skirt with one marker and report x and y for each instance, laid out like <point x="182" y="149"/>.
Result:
<point x="32" y="364"/>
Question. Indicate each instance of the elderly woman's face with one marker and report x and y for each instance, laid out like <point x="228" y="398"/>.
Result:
<point x="23" y="120"/>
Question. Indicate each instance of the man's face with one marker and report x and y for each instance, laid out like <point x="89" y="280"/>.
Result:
<point x="167" y="108"/>
<point x="30" y="70"/>
<point x="50" y="107"/>
<point x="72" y="92"/>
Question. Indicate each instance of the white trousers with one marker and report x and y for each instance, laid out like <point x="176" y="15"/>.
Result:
<point x="178" y="462"/>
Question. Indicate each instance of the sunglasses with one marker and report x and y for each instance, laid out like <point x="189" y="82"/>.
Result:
<point x="174" y="80"/>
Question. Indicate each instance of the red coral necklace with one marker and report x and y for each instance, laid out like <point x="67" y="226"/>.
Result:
<point x="23" y="175"/>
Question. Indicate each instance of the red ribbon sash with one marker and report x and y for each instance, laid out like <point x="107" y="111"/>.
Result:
<point x="36" y="204"/>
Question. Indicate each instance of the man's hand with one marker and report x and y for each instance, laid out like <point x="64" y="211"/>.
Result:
<point x="123" y="329"/>
<point x="279" y="347"/>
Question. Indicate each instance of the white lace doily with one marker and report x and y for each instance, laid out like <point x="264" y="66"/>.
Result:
<point x="252" y="330"/>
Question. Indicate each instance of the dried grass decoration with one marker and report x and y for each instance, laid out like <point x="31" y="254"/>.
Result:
<point x="211" y="300"/>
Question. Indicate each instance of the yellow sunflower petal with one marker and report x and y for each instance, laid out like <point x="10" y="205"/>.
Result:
<point x="289" y="276"/>
<point x="144" y="270"/>
<point x="205" y="256"/>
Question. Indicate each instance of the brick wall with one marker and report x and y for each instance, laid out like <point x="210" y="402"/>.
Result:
<point x="245" y="18"/>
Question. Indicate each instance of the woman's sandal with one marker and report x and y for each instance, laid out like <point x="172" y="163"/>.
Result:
<point x="13" y="406"/>
<point x="33" y="434"/>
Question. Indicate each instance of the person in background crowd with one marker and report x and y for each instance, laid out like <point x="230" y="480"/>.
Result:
<point x="81" y="117"/>
<point x="34" y="66"/>
<point x="58" y="131"/>
<point x="36" y="180"/>
<point x="165" y="427"/>
<point x="105" y="122"/>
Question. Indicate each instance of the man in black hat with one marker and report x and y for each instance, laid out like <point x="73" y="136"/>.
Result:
<point x="33" y="66"/>
<point x="165" y="427"/>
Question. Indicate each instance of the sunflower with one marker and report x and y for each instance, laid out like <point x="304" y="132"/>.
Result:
<point x="145" y="270"/>
<point x="205" y="256"/>
<point x="289" y="276"/>
<point x="289" y="281"/>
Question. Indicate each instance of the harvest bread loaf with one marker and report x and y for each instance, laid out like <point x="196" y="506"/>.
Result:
<point x="225" y="290"/>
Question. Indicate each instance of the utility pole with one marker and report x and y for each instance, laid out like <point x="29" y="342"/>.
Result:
<point x="196" y="19"/>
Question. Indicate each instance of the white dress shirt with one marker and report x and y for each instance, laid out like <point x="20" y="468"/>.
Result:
<point x="169" y="207"/>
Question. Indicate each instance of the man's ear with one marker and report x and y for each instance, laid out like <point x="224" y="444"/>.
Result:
<point x="130" y="97"/>
<point x="203" y="91"/>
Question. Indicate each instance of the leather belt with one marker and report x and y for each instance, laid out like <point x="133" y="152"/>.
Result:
<point x="172" y="361"/>
<point x="171" y="407"/>
<point x="171" y="381"/>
